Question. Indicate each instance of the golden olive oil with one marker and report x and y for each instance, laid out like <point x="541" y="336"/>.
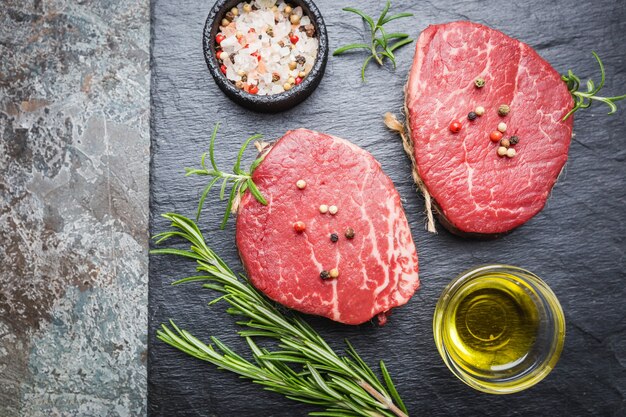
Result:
<point x="493" y="325"/>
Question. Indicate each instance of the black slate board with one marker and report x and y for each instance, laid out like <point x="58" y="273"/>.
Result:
<point x="576" y="243"/>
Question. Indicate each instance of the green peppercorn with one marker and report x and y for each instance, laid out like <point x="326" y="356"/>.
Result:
<point x="503" y="110"/>
<point x="349" y="233"/>
<point x="334" y="237"/>
<point x="472" y="116"/>
<point x="324" y="275"/>
<point x="479" y="82"/>
<point x="513" y="140"/>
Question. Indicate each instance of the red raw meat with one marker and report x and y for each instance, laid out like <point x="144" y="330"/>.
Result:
<point x="378" y="267"/>
<point x="477" y="192"/>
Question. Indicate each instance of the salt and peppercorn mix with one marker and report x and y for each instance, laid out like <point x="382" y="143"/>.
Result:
<point x="266" y="46"/>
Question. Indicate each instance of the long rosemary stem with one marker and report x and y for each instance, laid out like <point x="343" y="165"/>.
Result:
<point x="343" y="385"/>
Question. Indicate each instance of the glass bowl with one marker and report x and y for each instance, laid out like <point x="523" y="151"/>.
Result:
<point x="503" y="344"/>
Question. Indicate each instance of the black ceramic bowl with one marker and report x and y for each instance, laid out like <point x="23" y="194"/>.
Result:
<point x="266" y="103"/>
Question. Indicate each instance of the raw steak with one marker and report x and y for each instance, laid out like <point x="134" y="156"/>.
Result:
<point x="477" y="192"/>
<point x="377" y="267"/>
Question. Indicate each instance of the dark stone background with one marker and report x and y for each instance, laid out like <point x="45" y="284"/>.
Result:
<point x="576" y="243"/>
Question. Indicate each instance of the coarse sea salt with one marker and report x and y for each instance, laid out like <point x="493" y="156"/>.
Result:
<point x="260" y="46"/>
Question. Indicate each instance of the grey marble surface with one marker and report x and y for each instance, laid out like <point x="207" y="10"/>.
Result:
<point x="74" y="152"/>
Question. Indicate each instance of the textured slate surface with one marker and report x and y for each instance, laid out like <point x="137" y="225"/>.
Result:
<point x="576" y="244"/>
<point x="74" y="154"/>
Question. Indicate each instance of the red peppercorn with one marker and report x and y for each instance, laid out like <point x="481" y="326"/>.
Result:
<point x="495" y="136"/>
<point x="455" y="127"/>
<point x="253" y="90"/>
<point x="298" y="80"/>
<point x="219" y="38"/>
<point x="294" y="39"/>
<point x="223" y="69"/>
<point x="299" y="226"/>
<point x="218" y="54"/>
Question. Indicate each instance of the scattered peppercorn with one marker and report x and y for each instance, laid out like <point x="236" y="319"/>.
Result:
<point x="510" y="152"/>
<point x="495" y="136"/>
<point x="299" y="226"/>
<point x="502" y="151"/>
<point x="247" y="8"/>
<point x="298" y="80"/>
<point x="234" y="11"/>
<point x="275" y="77"/>
<point x="503" y="110"/>
<point x="253" y="89"/>
<point x="270" y="31"/>
<point x="324" y="275"/>
<point x="291" y="80"/>
<point x="349" y="233"/>
<point x="294" y="39"/>
<point x="333" y="209"/>
<point x="225" y="22"/>
<point x="480" y="110"/>
<point x="334" y="273"/>
<point x="301" y="184"/>
<point x="479" y="82"/>
<point x="288" y="9"/>
<point x="244" y="78"/>
<point x="514" y="140"/>
<point x="293" y="65"/>
<point x="230" y="15"/>
<point x="301" y="74"/>
<point x="323" y="209"/>
<point x="502" y="127"/>
<point x="223" y="69"/>
<point x="334" y="237"/>
<point x="219" y="38"/>
<point x="472" y="115"/>
<point x="505" y="142"/>
<point x="286" y="86"/>
<point x="300" y="59"/>
<point x="294" y="19"/>
<point x="455" y="127"/>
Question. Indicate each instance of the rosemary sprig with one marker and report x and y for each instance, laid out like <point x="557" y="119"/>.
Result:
<point x="241" y="180"/>
<point x="582" y="100"/>
<point x="305" y="369"/>
<point x="380" y="46"/>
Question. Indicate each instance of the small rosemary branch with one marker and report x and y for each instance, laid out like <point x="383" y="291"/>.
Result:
<point x="582" y="100"/>
<point x="379" y="47"/>
<point x="241" y="180"/>
<point x="305" y="369"/>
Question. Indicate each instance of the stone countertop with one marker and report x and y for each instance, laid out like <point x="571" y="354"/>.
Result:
<point x="74" y="156"/>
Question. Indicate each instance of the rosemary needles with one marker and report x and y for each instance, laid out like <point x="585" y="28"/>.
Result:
<point x="584" y="99"/>
<point x="239" y="179"/>
<point x="382" y="44"/>
<point x="305" y="369"/>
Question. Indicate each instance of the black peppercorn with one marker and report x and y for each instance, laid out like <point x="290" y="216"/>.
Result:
<point x="349" y="233"/>
<point x="334" y="237"/>
<point x="324" y="275"/>
<point x="300" y="59"/>
<point x="472" y="116"/>
<point x="479" y="82"/>
<point x="513" y="140"/>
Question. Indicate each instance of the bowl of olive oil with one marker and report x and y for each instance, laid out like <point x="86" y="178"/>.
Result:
<point x="499" y="328"/>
